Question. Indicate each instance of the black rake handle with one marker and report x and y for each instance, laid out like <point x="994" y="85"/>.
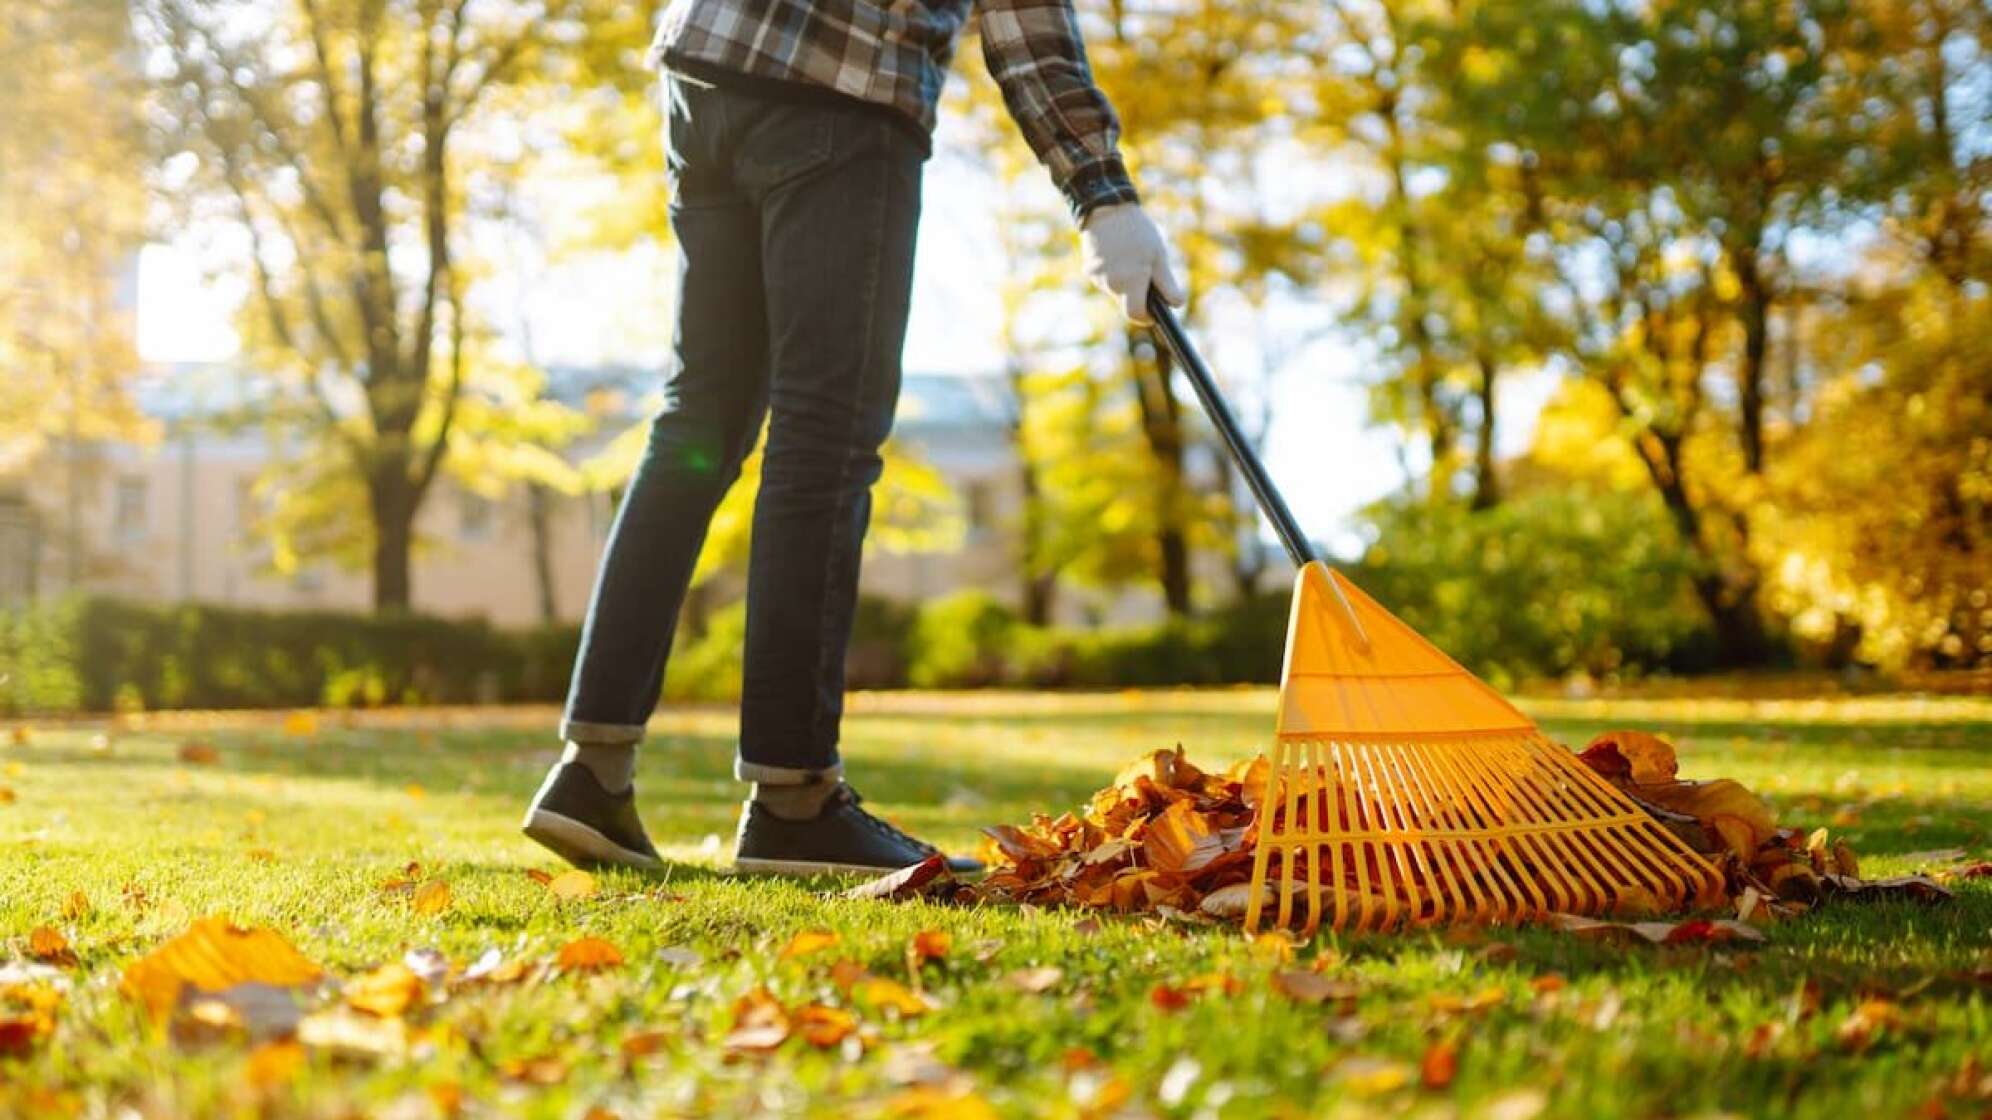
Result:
<point x="1177" y="342"/>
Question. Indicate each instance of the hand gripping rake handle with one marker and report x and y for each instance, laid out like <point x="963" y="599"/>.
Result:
<point x="1298" y="549"/>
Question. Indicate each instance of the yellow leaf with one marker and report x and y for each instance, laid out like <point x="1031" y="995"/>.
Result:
<point x="75" y="906"/>
<point x="210" y="956"/>
<point x="273" y="1064"/>
<point x="890" y="995"/>
<point x="925" y="1102"/>
<point x="432" y="897"/>
<point x="387" y="991"/>
<point x="808" y="942"/>
<point x="588" y="954"/>
<point x="301" y="725"/>
<point x="570" y="885"/>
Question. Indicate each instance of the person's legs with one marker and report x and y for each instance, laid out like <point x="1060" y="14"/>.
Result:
<point x="837" y="254"/>
<point x="715" y="399"/>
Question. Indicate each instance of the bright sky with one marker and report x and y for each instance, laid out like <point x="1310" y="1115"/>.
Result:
<point x="614" y="309"/>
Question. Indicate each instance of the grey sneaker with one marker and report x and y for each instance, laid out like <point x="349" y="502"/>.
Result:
<point x="586" y="825"/>
<point x="841" y="840"/>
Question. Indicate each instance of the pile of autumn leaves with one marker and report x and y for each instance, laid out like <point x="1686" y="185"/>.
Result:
<point x="1167" y="837"/>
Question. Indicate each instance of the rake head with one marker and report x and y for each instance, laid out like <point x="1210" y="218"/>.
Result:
<point x="1405" y="791"/>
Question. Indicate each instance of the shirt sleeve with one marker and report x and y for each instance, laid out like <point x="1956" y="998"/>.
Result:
<point x="1038" y="58"/>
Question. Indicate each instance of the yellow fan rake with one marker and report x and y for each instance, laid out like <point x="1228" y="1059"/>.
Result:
<point x="1403" y="790"/>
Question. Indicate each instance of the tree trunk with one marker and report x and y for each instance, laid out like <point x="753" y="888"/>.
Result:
<point x="1756" y="316"/>
<point x="539" y="516"/>
<point x="394" y="542"/>
<point x="1731" y="603"/>
<point x="1038" y="590"/>
<point x="1486" y="487"/>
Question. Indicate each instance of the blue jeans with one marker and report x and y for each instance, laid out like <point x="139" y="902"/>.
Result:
<point x="796" y="221"/>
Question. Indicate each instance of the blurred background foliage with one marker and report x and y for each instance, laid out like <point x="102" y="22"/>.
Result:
<point x="1746" y="245"/>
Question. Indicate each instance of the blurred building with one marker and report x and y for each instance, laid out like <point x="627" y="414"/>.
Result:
<point x="172" y="518"/>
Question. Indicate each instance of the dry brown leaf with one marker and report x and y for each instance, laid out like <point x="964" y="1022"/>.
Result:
<point x="1303" y="986"/>
<point x="1875" y="1016"/>
<point x="930" y="874"/>
<point x="808" y="943"/>
<point x="1439" y="1065"/>
<point x="214" y="955"/>
<point x="1636" y="756"/>
<point x="760" y="1023"/>
<point x="196" y="753"/>
<point x="824" y="1027"/>
<point x="568" y="886"/>
<point x="8" y="796"/>
<point x="538" y="876"/>
<point x="642" y="1044"/>
<point x="589" y="954"/>
<point x="929" y="945"/>
<point x="48" y="945"/>
<point x="1168" y="998"/>
<point x="544" y="1070"/>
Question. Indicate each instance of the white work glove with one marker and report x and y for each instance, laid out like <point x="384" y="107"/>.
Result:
<point x="1125" y="254"/>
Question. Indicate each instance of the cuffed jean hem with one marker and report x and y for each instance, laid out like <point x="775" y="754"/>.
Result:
<point x="785" y="776"/>
<point x="600" y="734"/>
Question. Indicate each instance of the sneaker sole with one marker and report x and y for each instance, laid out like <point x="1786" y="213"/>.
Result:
<point x="804" y="867"/>
<point x="579" y="844"/>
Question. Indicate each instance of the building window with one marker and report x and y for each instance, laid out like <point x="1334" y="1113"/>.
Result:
<point x="130" y="517"/>
<point x="478" y="514"/>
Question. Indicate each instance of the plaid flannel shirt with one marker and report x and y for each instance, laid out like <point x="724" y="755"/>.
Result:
<point x="896" y="53"/>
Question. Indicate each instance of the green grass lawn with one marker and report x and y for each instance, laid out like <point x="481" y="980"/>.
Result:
<point x="298" y="831"/>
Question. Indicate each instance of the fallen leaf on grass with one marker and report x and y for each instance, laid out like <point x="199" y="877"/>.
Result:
<point x="429" y="964"/>
<point x="824" y="1027"/>
<point x="343" y="1031"/>
<point x="1369" y="1077"/>
<point x="930" y="874"/>
<point x="929" y="945"/>
<point x="431" y="898"/>
<point x="27" y="1015"/>
<point x="196" y="753"/>
<point x="924" y="1102"/>
<point x="274" y="1064"/>
<point x="1912" y="888"/>
<point x="47" y="945"/>
<point x="301" y="725"/>
<point x="388" y="991"/>
<point x="569" y="886"/>
<point x="212" y="956"/>
<point x="75" y="906"/>
<point x="589" y="954"/>
<point x="7" y="796"/>
<point x="261" y="1011"/>
<point x="542" y="1071"/>
<point x="1693" y="931"/>
<point x="642" y="1044"/>
<point x="1035" y="980"/>
<point x="760" y="1023"/>
<point x="1858" y="1030"/>
<point x="1439" y="1065"/>
<point x="1302" y="986"/>
<point x="807" y="943"/>
<point x="889" y="995"/>
<point x="538" y="876"/>
<point x="1168" y="999"/>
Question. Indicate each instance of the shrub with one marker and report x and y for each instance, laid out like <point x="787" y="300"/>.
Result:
<point x="1546" y="584"/>
<point x="105" y="654"/>
<point x="960" y="641"/>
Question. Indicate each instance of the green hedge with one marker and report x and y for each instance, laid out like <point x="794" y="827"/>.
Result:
<point x="104" y="654"/>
